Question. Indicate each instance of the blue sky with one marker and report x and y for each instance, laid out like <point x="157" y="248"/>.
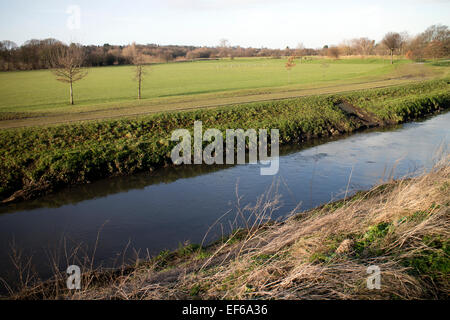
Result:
<point x="256" y="23"/>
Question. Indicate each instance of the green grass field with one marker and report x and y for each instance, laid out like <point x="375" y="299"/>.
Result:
<point x="35" y="97"/>
<point x="28" y="91"/>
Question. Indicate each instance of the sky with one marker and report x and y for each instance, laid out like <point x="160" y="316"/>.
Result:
<point x="248" y="23"/>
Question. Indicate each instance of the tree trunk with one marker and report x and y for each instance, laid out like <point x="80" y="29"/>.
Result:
<point x="71" y="93"/>
<point x="139" y="88"/>
<point x="392" y="56"/>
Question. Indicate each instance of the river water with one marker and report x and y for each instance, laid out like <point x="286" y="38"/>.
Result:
<point x="151" y="212"/>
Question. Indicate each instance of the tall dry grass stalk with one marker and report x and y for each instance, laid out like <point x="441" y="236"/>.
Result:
<point x="401" y="226"/>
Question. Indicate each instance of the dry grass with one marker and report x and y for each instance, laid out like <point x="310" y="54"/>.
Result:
<point x="402" y="227"/>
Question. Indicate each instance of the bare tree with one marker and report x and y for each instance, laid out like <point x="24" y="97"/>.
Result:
<point x="347" y="47"/>
<point x="434" y="42"/>
<point x="364" y="46"/>
<point x="333" y="52"/>
<point x="405" y="38"/>
<point x="300" y="51"/>
<point x="8" y="45"/>
<point x="224" y="48"/>
<point x="392" y="41"/>
<point x="138" y="60"/>
<point x="67" y="65"/>
<point x="289" y="65"/>
<point x="435" y="50"/>
<point x="8" y="53"/>
<point x="224" y="43"/>
<point x="437" y="33"/>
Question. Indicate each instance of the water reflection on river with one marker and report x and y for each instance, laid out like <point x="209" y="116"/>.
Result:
<point x="160" y="210"/>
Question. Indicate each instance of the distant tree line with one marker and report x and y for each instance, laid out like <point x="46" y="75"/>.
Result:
<point x="433" y="43"/>
<point x="36" y="54"/>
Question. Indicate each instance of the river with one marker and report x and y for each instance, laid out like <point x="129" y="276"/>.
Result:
<point x="150" y="212"/>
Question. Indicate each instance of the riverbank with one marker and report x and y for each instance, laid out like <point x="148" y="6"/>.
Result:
<point x="40" y="160"/>
<point x="401" y="227"/>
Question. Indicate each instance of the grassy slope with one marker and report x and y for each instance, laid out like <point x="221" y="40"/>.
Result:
<point x="402" y="227"/>
<point x="41" y="159"/>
